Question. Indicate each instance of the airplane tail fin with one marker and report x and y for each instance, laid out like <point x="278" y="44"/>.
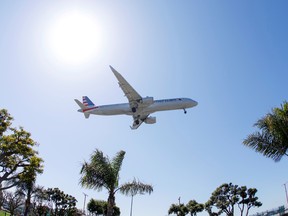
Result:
<point x="86" y="104"/>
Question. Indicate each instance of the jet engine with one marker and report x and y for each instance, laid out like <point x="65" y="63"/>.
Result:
<point x="150" y="120"/>
<point x="147" y="101"/>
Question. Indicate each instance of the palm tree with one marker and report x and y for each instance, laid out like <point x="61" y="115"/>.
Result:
<point x="102" y="173"/>
<point x="133" y="188"/>
<point x="26" y="185"/>
<point x="272" y="141"/>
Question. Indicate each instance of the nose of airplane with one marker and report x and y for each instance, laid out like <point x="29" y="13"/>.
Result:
<point x="193" y="103"/>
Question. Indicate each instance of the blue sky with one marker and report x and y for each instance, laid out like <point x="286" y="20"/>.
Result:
<point x="231" y="57"/>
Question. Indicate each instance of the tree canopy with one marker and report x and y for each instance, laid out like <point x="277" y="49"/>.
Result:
<point x="226" y="196"/>
<point x="99" y="207"/>
<point x="272" y="140"/>
<point x="18" y="159"/>
<point x="62" y="202"/>
<point x="178" y="209"/>
<point x="194" y="207"/>
<point x="248" y="198"/>
<point x="224" y="199"/>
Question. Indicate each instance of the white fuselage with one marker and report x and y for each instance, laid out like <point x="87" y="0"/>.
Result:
<point x="125" y="109"/>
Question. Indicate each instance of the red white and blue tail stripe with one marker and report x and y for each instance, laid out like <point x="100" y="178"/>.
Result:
<point x="86" y="106"/>
<point x="87" y="102"/>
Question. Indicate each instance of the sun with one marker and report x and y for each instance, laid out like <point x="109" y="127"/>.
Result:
<point x="74" y="38"/>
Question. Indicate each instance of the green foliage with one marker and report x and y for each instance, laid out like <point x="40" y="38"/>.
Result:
<point x="99" y="207"/>
<point x="179" y="210"/>
<point x="5" y="121"/>
<point x="272" y="140"/>
<point x="226" y="196"/>
<point x="4" y="213"/>
<point x="41" y="202"/>
<point x="64" y="203"/>
<point x="41" y="210"/>
<point x="194" y="207"/>
<point x="248" y="199"/>
<point x="101" y="172"/>
<point x="18" y="160"/>
<point x="26" y="185"/>
<point x="96" y="207"/>
<point x="14" y="202"/>
<point x="135" y="187"/>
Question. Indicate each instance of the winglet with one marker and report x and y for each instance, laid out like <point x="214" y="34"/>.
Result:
<point x="112" y="68"/>
<point x="117" y="74"/>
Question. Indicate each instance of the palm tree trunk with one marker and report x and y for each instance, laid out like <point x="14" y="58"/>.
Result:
<point x="110" y="204"/>
<point x="131" y="205"/>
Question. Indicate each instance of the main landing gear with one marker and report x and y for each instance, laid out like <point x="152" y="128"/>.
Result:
<point x="134" y="109"/>
<point x="185" y="111"/>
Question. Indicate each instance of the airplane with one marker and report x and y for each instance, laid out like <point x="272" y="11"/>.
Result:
<point x="138" y="107"/>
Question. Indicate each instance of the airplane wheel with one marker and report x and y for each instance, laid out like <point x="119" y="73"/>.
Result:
<point x="133" y="109"/>
<point x="137" y="122"/>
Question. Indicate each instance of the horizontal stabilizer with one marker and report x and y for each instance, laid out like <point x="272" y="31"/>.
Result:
<point x="82" y="108"/>
<point x="80" y="104"/>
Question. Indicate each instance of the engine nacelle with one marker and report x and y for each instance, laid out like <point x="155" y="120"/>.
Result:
<point x="147" y="101"/>
<point x="150" y="120"/>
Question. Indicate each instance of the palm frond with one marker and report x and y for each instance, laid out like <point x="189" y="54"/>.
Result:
<point x="264" y="144"/>
<point x="101" y="172"/>
<point x="135" y="187"/>
<point x="95" y="174"/>
<point x="272" y="140"/>
<point x="116" y="165"/>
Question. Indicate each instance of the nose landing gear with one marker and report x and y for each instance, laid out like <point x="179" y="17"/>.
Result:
<point x="185" y="111"/>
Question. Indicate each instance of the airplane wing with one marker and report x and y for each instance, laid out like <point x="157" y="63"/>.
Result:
<point x="138" y="120"/>
<point x="135" y="100"/>
<point x="133" y="97"/>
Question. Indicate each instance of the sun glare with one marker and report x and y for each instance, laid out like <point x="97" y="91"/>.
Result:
<point x="74" y="38"/>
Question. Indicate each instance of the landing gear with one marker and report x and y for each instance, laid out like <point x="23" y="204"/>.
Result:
<point x="185" y="111"/>
<point x="137" y="122"/>
<point x="134" y="109"/>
